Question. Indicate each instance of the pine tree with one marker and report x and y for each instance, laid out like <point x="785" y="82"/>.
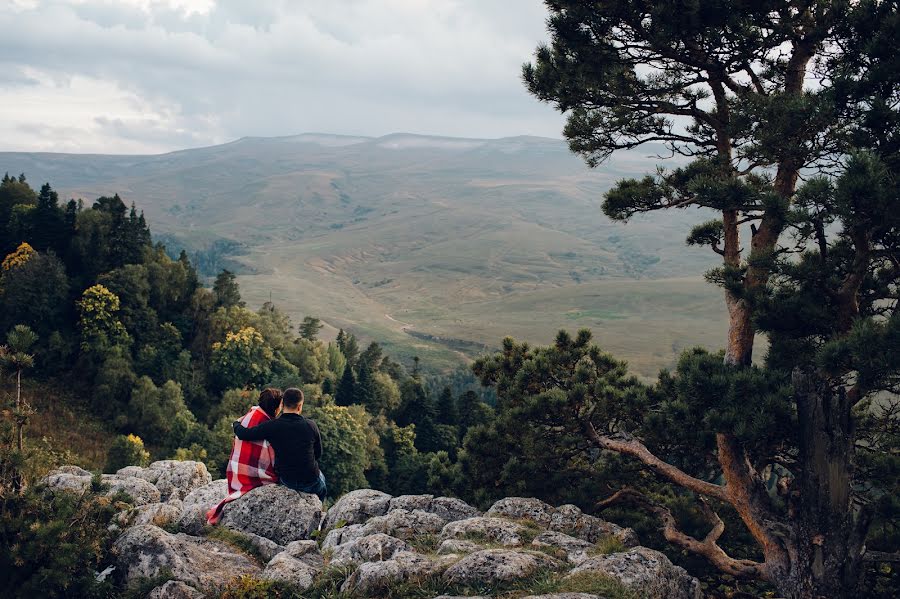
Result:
<point x="226" y="290"/>
<point x="345" y="394"/>
<point x="364" y="392"/>
<point x="310" y="327"/>
<point x="446" y="408"/>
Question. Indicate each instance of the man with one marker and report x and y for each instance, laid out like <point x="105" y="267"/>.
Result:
<point x="297" y="445"/>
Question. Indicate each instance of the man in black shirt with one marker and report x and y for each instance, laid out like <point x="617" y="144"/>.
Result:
<point x="297" y="445"/>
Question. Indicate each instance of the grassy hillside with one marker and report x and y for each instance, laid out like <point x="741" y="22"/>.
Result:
<point x="440" y="246"/>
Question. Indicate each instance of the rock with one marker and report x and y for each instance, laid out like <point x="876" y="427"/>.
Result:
<point x="344" y="534"/>
<point x="456" y="546"/>
<point x="572" y="521"/>
<point x="483" y="528"/>
<point x="66" y="481"/>
<point x="574" y="550"/>
<point x="130" y="471"/>
<point x="523" y="508"/>
<point x="175" y="478"/>
<point x="356" y="507"/>
<point x="140" y="491"/>
<point x="565" y="596"/>
<point x="371" y="548"/>
<point x="645" y="571"/>
<point x="372" y="578"/>
<point x="307" y="552"/>
<point x="404" y="524"/>
<point x="175" y="589"/>
<point x="493" y="566"/>
<point x="461" y="597"/>
<point x="410" y="502"/>
<point x="157" y="514"/>
<point x="291" y="570"/>
<point x="452" y="509"/>
<point x="274" y="512"/>
<point x="75" y="470"/>
<point x="147" y="551"/>
<point x="264" y="547"/>
<point x="198" y="502"/>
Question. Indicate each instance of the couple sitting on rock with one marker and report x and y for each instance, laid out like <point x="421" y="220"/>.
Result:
<point x="267" y="449"/>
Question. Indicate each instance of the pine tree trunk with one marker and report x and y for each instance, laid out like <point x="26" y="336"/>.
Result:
<point x="829" y="534"/>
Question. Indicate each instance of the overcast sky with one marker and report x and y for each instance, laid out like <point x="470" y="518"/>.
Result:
<point x="135" y="76"/>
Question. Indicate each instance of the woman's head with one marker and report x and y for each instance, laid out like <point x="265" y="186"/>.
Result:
<point x="269" y="400"/>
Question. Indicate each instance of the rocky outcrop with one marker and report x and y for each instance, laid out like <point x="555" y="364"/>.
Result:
<point x="372" y="548"/>
<point x="276" y="513"/>
<point x="486" y="529"/>
<point x="371" y="579"/>
<point x="356" y="507"/>
<point x="198" y="502"/>
<point x="175" y="479"/>
<point x="298" y="564"/>
<point x="493" y="566"/>
<point x="175" y="589"/>
<point x="147" y="551"/>
<point x="645" y="571"/>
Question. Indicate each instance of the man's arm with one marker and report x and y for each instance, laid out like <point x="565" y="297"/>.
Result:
<point x="257" y="433"/>
<point x="317" y="440"/>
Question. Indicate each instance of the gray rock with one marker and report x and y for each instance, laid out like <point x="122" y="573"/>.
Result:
<point x="457" y="546"/>
<point x="274" y="512"/>
<point x="572" y="521"/>
<point x="291" y="570"/>
<point x="645" y="571"/>
<point x="157" y="514"/>
<point x="140" y="491"/>
<point x="493" y="566"/>
<point x="344" y="534"/>
<point x="198" y="502"/>
<point x="356" y="507"/>
<point x="66" y="481"/>
<point x="175" y="478"/>
<point x="147" y="551"/>
<point x="130" y="471"/>
<point x="574" y="550"/>
<point x="267" y="549"/>
<point x="410" y="502"/>
<point x="404" y="524"/>
<point x="372" y="578"/>
<point x="175" y="589"/>
<point x="523" y="508"/>
<point x="307" y="552"/>
<point x="452" y="509"/>
<point x="371" y="548"/>
<point x="483" y="528"/>
<point x="461" y="597"/>
<point x="70" y="469"/>
<point x="565" y="596"/>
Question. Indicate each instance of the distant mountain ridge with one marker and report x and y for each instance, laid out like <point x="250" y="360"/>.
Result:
<point x="462" y="239"/>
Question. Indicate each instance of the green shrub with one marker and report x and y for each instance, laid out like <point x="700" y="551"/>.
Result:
<point x="126" y="450"/>
<point x="52" y="543"/>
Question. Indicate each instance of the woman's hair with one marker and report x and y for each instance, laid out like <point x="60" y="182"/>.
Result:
<point x="269" y="400"/>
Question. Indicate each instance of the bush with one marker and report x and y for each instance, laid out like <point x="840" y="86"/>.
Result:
<point x="126" y="450"/>
<point x="52" y="543"/>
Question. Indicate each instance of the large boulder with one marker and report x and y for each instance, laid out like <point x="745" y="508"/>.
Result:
<point x="405" y="524"/>
<point x="71" y="482"/>
<point x="457" y="546"/>
<point x="344" y="534"/>
<point x="356" y="507"/>
<point x="447" y="508"/>
<point x="147" y="551"/>
<point x="175" y="479"/>
<point x="494" y="566"/>
<point x="372" y="548"/>
<point x="198" y="502"/>
<point x="371" y="579"/>
<point x="565" y="596"/>
<point x="298" y="564"/>
<point x="523" y="508"/>
<point x="175" y="589"/>
<point x="140" y="491"/>
<point x="157" y="514"/>
<point x="647" y="572"/>
<point x="275" y="512"/>
<point x="486" y="529"/>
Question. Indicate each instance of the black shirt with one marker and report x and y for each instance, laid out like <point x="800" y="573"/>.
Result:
<point x="297" y="445"/>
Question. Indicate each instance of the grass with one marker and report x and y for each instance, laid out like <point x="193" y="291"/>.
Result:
<point x="236" y="540"/>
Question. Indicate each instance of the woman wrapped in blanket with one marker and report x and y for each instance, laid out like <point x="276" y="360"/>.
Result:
<point x="252" y="463"/>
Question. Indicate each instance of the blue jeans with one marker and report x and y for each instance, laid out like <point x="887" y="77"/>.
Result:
<point x="316" y="488"/>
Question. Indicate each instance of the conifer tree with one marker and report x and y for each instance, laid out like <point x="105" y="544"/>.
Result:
<point x="310" y="327"/>
<point x="364" y="392"/>
<point x="226" y="290"/>
<point x="446" y="408"/>
<point x="345" y="394"/>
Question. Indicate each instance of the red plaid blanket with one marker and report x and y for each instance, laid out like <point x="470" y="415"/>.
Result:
<point x="252" y="464"/>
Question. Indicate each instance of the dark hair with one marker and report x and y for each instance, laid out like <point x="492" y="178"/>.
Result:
<point x="293" y="397"/>
<point x="269" y="400"/>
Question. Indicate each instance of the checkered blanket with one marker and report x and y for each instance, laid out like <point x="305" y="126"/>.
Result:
<point x="252" y="464"/>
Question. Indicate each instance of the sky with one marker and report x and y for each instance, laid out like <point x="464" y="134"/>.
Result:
<point x="150" y="76"/>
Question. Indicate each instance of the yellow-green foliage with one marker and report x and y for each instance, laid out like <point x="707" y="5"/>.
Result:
<point x="243" y="357"/>
<point x="19" y="257"/>
<point x="126" y="450"/>
<point x="99" y="308"/>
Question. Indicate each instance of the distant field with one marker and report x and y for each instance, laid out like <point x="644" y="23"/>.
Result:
<point x="438" y="247"/>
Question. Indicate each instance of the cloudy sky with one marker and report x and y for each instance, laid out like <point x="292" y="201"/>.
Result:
<point x="135" y="76"/>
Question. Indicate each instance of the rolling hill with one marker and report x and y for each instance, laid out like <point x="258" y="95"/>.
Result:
<point x="437" y="246"/>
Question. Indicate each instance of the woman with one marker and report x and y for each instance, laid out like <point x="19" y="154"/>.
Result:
<point x="252" y="463"/>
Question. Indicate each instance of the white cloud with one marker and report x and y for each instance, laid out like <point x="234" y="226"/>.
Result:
<point x="151" y="75"/>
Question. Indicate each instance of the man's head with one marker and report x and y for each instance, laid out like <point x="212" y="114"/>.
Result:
<point x="269" y="400"/>
<point x="292" y="400"/>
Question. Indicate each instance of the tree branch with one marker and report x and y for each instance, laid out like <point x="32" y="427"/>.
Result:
<point x="707" y="547"/>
